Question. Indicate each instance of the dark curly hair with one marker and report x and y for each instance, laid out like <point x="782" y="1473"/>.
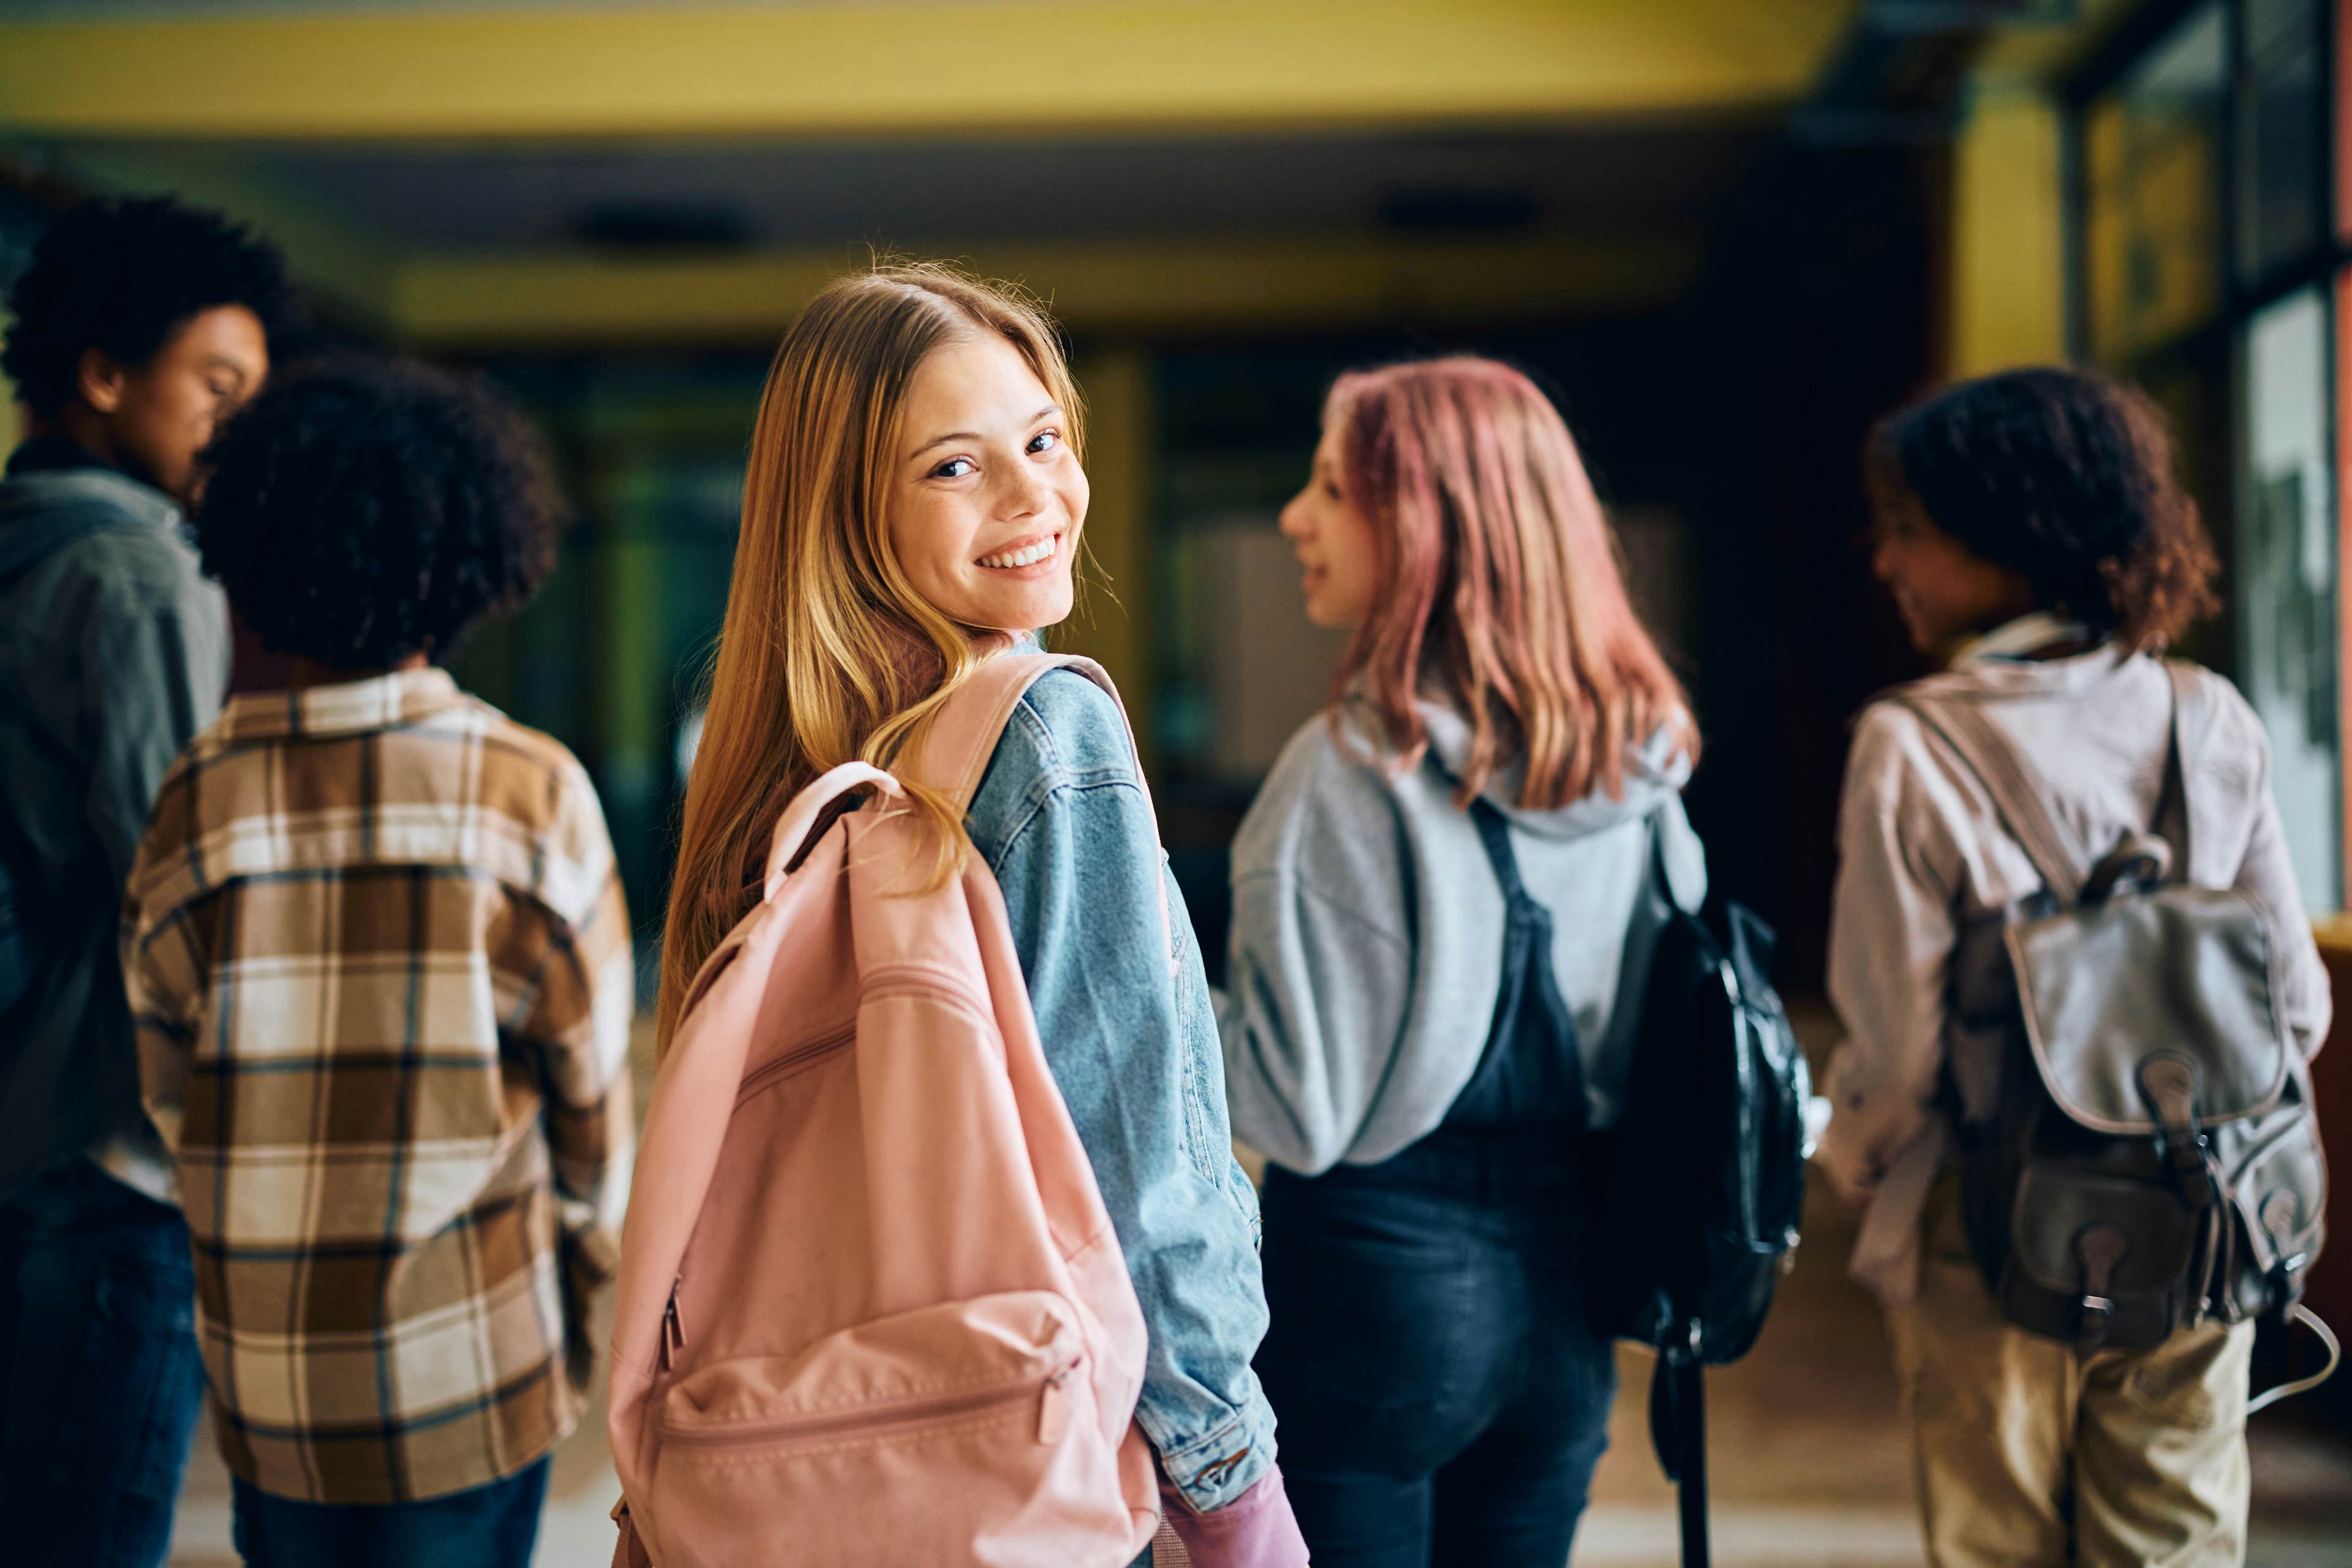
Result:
<point x="362" y="510"/>
<point x="122" y="275"/>
<point x="2067" y="476"/>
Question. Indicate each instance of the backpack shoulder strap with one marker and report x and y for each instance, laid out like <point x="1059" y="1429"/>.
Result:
<point x="2189" y="721"/>
<point x="953" y="754"/>
<point x="2015" y="789"/>
<point x="1661" y="870"/>
<point x="791" y="834"/>
<point x="2189" y="701"/>
<point x="951" y="757"/>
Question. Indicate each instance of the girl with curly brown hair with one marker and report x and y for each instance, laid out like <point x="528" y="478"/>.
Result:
<point x="2034" y="538"/>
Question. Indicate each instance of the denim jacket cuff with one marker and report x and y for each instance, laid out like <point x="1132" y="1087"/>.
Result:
<point x="1215" y="1469"/>
<point x="1256" y="1531"/>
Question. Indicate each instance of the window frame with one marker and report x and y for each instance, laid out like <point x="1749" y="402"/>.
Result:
<point x="2220" y="336"/>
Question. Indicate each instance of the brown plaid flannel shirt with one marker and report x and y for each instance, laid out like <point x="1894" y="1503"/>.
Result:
<point x="381" y="969"/>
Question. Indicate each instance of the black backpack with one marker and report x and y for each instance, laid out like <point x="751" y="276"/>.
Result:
<point x="1696" y="1218"/>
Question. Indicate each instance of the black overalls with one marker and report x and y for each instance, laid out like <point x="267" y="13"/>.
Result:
<point x="1439" y="1396"/>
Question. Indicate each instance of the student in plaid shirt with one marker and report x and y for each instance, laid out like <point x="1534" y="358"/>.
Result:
<point x="381" y="971"/>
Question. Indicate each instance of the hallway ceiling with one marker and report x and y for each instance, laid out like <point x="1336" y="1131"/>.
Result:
<point x="453" y="172"/>
<point x="760" y="193"/>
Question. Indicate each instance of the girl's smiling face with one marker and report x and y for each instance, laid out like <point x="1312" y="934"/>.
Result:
<point x="1333" y="539"/>
<point x="986" y="499"/>
<point x="1943" y="591"/>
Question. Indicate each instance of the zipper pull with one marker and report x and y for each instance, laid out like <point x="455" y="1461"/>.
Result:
<point x="673" y="1336"/>
<point x="1054" y="1409"/>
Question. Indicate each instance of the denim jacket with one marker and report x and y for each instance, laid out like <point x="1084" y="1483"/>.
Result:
<point x="1132" y="1042"/>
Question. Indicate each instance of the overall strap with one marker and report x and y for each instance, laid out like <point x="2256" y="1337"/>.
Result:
<point x="2010" y="782"/>
<point x="1533" y="1056"/>
<point x="1495" y="836"/>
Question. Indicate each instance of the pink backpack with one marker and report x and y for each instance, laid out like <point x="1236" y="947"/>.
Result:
<point x="870" y="1307"/>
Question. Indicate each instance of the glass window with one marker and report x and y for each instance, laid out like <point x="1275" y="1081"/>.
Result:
<point x="2153" y="152"/>
<point x="2280" y="183"/>
<point x="2193" y="391"/>
<point x="2284" y="573"/>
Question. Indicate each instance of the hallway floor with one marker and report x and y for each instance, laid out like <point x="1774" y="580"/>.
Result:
<point x="1809" y="1458"/>
<point x="1812" y="1467"/>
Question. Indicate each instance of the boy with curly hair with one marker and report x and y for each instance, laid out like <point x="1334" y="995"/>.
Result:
<point x="137" y="324"/>
<point x="2034" y="535"/>
<point x="381" y="967"/>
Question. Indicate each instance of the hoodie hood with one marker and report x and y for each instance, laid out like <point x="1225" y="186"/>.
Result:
<point x="1655" y="771"/>
<point x="1368" y="921"/>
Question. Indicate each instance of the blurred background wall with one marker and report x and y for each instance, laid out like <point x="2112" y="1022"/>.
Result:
<point x="1726" y="234"/>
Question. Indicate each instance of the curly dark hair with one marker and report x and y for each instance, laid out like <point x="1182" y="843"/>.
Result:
<point x="2067" y="476"/>
<point x="122" y="275"/>
<point x="362" y="510"/>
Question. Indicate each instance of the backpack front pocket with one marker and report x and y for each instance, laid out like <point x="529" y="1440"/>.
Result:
<point x="951" y="1433"/>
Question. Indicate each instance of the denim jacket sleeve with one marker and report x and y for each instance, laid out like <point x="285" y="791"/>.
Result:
<point x="1132" y="1043"/>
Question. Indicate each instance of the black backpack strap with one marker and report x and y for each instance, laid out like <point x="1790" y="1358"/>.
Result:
<point x="1662" y="876"/>
<point x="2014" y="788"/>
<point x="1678" y="1437"/>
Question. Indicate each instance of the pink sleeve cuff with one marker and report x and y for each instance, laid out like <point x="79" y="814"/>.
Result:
<point x="1256" y="1530"/>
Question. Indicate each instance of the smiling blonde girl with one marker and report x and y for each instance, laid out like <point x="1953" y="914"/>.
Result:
<point x="914" y="505"/>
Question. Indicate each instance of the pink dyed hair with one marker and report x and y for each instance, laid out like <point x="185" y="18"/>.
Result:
<point x="1500" y="591"/>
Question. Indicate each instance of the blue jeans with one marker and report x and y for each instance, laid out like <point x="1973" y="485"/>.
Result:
<point x="488" y="1527"/>
<point x="1443" y="1400"/>
<point x="98" y="1346"/>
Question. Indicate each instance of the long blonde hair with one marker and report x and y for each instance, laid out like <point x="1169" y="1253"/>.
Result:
<point x="828" y="654"/>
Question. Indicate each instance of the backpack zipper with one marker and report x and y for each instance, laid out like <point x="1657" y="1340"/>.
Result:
<point x="1052" y="1413"/>
<point x="673" y="1332"/>
<point x="903" y="979"/>
<point x="767" y="1072"/>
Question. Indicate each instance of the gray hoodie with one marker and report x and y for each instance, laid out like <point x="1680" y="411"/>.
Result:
<point x="1367" y="935"/>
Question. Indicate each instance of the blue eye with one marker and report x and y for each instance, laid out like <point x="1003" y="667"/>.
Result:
<point x="953" y="468"/>
<point x="1044" y="440"/>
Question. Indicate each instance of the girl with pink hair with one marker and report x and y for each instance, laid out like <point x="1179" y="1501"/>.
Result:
<point x="1452" y="877"/>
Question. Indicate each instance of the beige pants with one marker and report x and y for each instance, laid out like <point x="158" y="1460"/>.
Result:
<point x="2026" y="1455"/>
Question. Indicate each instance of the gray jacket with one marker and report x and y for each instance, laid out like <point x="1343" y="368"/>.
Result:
<point x="113" y="652"/>
<point x="1367" y="931"/>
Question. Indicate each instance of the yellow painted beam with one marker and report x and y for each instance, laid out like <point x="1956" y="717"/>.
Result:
<point x="455" y="301"/>
<point x="906" y="65"/>
<point x="2007" y="304"/>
